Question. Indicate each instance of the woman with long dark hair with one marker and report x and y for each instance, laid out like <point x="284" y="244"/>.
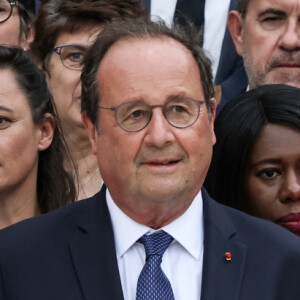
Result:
<point x="256" y="160"/>
<point x="33" y="176"/>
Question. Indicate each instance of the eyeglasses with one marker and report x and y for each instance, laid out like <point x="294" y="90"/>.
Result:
<point x="6" y="8"/>
<point x="71" y="56"/>
<point x="136" y="115"/>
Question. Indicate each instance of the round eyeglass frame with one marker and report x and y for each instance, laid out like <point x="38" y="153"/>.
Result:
<point x="12" y="4"/>
<point x="115" y="109"/>
<point x="58" y="49"/>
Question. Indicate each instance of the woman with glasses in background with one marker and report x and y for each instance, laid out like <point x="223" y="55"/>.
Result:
<point x="33" y="176"/>
<point x="256" y="160"/>
<point x="16" y="19"/>
<point x="64" y="29"/>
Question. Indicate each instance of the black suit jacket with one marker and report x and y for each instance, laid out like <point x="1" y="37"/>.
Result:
<point x="69" y="254"/>
<point x="230" y="61"/>
<point x="232" y="87"/>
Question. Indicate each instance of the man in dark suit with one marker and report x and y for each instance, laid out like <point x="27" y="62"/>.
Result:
<point x="148" y="108"/>
<point x="228" y="67"/>
<point x="212" y="16"/>
<point x="266" y="35"/>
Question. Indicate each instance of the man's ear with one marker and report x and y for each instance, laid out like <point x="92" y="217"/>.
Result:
<point x="212" y="118"/>
<point x="46" y="128"/>
<point x="235" y="26"/>
<point x="213" y="108"/>
<point x="91" y="130"/>
<point x="27" y="37"/>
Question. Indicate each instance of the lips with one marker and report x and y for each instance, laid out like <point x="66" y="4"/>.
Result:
<point x="166" y="162"/>
<point x="285" y="60"/>
<point x="288" y="65"/>
<point x="290" y="222"/>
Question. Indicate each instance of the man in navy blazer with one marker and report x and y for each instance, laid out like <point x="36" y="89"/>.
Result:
<point x="148" y="109"/>
<point x="231" y="75"/>
<point x="229" y="61"/>
<point x="266" y="35"/>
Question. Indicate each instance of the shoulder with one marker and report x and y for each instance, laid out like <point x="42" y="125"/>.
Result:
<point x="257" y="234"/>
<point x="271" y="252"/>
<point x="258" y="228"/>
<point x="261" y="248"/>
<point x="49" y="228"/>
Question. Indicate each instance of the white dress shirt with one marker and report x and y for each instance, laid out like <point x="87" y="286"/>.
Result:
<point x="216" y="14"/>
<point x="183" y="260"/>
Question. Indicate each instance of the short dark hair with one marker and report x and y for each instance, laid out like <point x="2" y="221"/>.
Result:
<point x="138" y="29"/>
<point x="28" y="5"/>
<point x="55" y="185"/>
<point x="242" y="6"/>
<point x="237" y="127"/>
<point x="56" y="16"/>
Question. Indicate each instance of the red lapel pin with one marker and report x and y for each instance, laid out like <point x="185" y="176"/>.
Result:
<point x="228" y="256"/>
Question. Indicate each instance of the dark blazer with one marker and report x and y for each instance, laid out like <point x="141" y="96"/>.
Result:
<point x="231" y="74"/>
<point x="230" y="61"/>
<point x="233" y="86"/>
<point x="69" y="254"/>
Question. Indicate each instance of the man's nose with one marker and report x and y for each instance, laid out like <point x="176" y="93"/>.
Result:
<point x="291" y="187"/>
<point x="290" y="40"/>
<point x="159" y="132"/>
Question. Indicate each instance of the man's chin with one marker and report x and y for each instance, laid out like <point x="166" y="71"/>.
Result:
<point x="163" y="191"/>
<point x="288" y="76"/>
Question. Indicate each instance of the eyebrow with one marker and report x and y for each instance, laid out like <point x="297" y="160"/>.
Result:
<point x="267" y="161"/>
<point x="3" y="108"/>
<point x="177" y="97"/>
<point x="272" y="11"/>
<point x="168" y="98"/>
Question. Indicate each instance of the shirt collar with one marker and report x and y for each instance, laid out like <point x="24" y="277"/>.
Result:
<point x="187" y="229"/>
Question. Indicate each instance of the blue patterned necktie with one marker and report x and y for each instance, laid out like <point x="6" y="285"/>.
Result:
<point x="153" y="283"/>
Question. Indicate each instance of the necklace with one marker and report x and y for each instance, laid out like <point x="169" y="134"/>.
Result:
<point x="89" y="177"/>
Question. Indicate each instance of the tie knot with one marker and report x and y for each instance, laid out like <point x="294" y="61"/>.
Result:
<point x="156" y="244"/>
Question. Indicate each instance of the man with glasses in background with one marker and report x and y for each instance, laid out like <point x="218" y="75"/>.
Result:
<point x="16" y="19"/>
<point x="152" y="232"/>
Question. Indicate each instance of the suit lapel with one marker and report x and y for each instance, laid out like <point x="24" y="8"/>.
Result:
<point x="93" y="252"/>
<point x="221" y="279"/>
<point x="229" y="59"/>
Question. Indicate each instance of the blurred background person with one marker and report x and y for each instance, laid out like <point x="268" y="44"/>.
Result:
<point x="211" y="15"/>
<point x="16" y="19"/>
<point x="33" y="179"/>
<point x="266" y="35"/>
<point x="64" y="29"/>
<point x="256" y="160"/>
